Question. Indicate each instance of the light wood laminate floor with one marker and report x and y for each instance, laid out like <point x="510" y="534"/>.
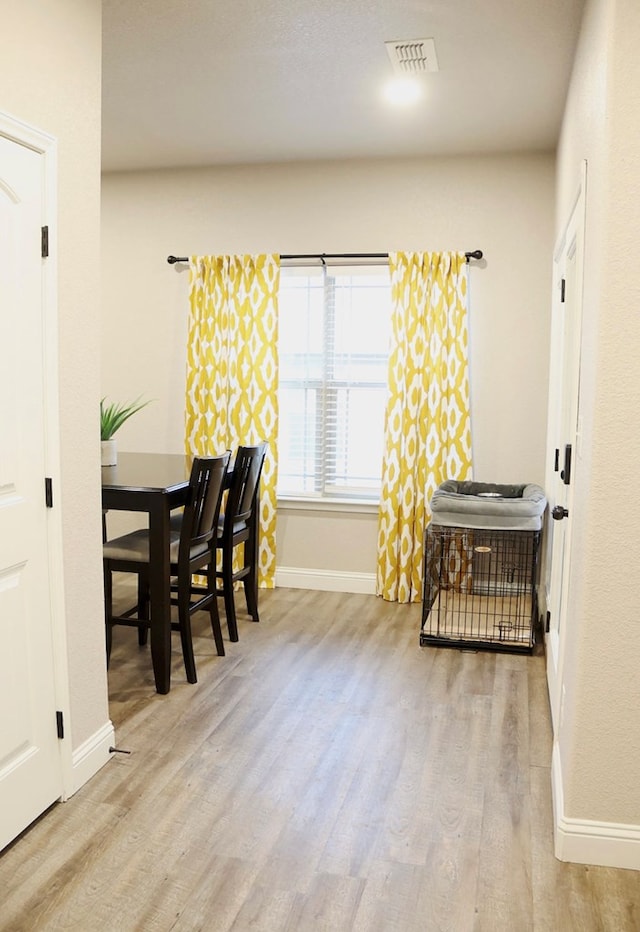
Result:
<point x="327" y="774"/>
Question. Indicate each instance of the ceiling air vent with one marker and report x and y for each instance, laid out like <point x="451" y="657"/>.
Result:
<point x="412" y="56"/>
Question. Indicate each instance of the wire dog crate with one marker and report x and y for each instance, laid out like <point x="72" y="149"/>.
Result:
<point x="481" y="566"/>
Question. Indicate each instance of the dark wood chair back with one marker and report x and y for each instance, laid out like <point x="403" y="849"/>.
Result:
<point x="202" y="511"/>
<point x="247" y="469"/>
<point x="240" y="526"/>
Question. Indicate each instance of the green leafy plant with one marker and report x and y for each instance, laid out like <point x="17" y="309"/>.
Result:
<point x="113" y="415"/>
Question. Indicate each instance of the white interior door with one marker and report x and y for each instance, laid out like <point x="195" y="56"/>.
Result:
<point x="30" y="756"/>
<point x="563" y="437"/>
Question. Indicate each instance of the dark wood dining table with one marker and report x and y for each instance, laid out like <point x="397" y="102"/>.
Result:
<point x="155" y="483"/>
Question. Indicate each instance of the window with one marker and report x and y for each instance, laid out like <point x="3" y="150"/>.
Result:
<point x="334" y="327"/>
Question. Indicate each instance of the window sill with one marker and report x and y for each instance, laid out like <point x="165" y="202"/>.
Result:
<point x="340" y="505"/>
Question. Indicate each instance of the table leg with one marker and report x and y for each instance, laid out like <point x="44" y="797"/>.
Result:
<point x="160" y="594"/>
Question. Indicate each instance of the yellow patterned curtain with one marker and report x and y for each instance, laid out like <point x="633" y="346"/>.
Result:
<point x="427" y="422"/>
<point x="232" y="371"/>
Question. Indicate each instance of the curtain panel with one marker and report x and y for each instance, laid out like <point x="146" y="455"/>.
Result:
<point x="232" y="371"/>
<point x="427" y="423"/>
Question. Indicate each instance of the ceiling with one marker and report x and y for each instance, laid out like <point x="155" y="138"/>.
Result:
<point x="213" y="82"/>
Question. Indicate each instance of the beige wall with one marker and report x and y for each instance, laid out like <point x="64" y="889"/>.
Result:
<point x="502" y="205"/>
<point x="599" y="735"/>
<point x="50" y="77"/>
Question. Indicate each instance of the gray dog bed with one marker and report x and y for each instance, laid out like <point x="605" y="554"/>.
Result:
<point x="488" y="505"/>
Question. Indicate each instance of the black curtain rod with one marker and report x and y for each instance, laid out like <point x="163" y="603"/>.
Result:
<point x="476" y="254"/>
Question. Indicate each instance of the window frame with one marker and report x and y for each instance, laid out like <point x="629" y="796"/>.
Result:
<point x="327" y="389"/>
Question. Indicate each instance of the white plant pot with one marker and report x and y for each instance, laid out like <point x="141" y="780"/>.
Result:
<point x="109" y="452"/>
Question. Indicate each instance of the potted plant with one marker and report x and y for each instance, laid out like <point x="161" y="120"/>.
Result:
<point x="112" y="417"/>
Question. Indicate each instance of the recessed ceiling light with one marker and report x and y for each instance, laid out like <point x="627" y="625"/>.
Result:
<point x="402" y="92"/>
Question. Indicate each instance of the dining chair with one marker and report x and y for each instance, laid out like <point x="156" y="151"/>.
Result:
<point x="239" y="525"/>
<point x="192" y="549"/>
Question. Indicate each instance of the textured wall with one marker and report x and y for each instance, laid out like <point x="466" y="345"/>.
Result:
<point x="600" y="736"/>
<point x="50" y="77"/>
<point x="503" y="205"/>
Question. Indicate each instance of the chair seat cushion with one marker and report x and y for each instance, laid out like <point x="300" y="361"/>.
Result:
<point x="134" y="547"/>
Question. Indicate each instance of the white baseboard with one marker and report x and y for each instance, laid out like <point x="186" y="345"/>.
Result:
<point x="91" y="755"/>
<point x="293" y="577"/>
<point x="583" y="841"/>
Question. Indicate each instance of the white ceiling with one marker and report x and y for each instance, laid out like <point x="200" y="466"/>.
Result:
<point x="210" y="82"/>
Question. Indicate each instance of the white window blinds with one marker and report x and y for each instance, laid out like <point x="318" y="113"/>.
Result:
<point x="334" y="326"/>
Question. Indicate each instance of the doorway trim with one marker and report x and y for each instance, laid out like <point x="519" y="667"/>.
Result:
<point x="24" y="134"/>
<point x="574" y="231"/>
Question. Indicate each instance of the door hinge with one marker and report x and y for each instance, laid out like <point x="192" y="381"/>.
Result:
<point x="547" y="626"/>
<point x="60" y="724"/>
<point x="48" y="491"/>
<point x="44" y="242"/>
<point x="562" y="290"/>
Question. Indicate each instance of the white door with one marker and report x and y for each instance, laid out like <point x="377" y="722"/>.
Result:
<point x="30" y="757"/>
<point x="563" y="437"/>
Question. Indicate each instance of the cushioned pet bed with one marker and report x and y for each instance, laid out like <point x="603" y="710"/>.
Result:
<point x="488" y="505"/>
